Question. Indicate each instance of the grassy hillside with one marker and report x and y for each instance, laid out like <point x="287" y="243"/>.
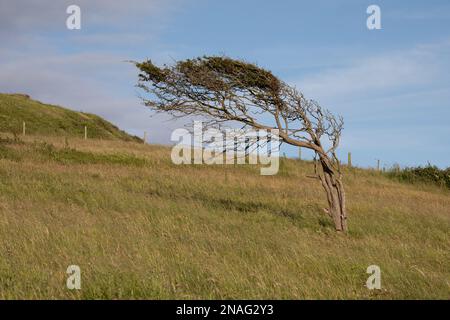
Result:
<point x="141" y="227"/>
<point x="45" y="119"/>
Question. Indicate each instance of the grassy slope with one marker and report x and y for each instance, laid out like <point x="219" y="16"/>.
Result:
<point x="45" y="119"/>
<point x="141" y="227"/>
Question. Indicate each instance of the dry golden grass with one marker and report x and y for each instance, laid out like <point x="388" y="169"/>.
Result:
<point x="141" y="227"/>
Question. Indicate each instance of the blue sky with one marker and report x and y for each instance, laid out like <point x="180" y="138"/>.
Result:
<point x="391" y="85"/>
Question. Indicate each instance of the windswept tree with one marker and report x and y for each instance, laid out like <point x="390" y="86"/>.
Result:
<point x="225" y="90"/>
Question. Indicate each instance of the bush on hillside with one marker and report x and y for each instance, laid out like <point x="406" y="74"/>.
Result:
<point x="427" y="174"/>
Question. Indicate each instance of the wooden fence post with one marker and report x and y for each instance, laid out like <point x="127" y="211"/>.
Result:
<point x="145" y="137"/>
<point x="23" y="128"/>
<point x="85" y="132"/>
<point x="299" y="153"/>
<point x="378" y="164"/>
<point x="349" y="162"/>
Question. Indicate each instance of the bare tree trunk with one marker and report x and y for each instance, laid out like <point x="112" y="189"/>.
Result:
<point x="331" y="182"/>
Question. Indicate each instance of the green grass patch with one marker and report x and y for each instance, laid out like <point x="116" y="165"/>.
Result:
<point x="72" y="156"/>
<point x="45" y="119"/>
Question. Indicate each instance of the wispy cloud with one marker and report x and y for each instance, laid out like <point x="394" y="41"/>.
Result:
<point x="378" y="75"/>
<point x="394" y="104"/>
<point x="83" y="70"/>
<point x="25" y="15"/>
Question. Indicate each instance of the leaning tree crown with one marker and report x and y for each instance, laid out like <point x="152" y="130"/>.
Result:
<point x="222" y="90"/>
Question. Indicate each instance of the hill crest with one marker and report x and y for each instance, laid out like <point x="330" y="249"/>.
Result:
<point x="52" y="120"/>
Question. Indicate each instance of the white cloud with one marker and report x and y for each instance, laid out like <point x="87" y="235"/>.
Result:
<point x="83" y="71"/>
<point x="393" y="104"/>
<point x="379" y="75"/>
<point x="90" y="82"/>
